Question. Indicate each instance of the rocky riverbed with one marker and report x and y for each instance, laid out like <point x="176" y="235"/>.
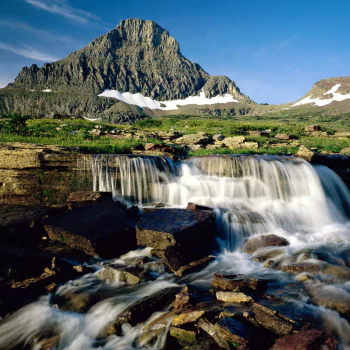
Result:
<point x="212" y="252"/>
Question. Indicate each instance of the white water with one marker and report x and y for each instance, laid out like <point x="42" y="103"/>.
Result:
<point x="250" y="194"/>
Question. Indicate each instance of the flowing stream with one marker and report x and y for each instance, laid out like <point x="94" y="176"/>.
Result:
<point x="251" y="195"/>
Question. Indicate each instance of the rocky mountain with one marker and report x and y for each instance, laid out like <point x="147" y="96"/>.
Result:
<point x="136" y="57"/>
<point x="136" y="60"/>
<point x="328" y="91"/>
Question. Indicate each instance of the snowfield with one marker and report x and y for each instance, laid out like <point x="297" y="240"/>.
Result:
<point x="142" y="101"/>
<point x="323" y="102"/>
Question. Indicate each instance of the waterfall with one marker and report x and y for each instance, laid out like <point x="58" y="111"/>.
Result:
<point x="251" y="194"/>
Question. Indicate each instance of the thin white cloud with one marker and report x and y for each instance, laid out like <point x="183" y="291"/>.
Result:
<point x="61" y="8"/>
<point x="28" y="52"/>
<point x="46" y="35"/>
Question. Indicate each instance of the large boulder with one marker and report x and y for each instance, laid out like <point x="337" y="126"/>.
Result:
<point x="178" y="236"/>
<point x="307" y="339"/>
<point x="99" y="229"/>
<point x="262" y="241"/>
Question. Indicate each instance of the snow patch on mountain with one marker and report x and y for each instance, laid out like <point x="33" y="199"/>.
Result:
<point x="142" y="101"/>
<point x="323" y="102"/>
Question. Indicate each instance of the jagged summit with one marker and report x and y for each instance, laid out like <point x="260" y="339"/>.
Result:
<point x="137" y="57"/>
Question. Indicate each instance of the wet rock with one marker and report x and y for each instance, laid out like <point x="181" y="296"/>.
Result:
<point x="262" y="241"/>
<point x="307" y="339"/>
<point x="186" y="298"/>
<point x="234" y="297"/>
<point x="142" y="309"/>
<point x="183" y="337"/>
<point x="178" y="236"/>
<point x="77" y="199"/>
<point x="232" y="282"/>
<point x="128" y="275"/>
<point x="302" y="267"/>
<point x="272" y="320"/>
<point x="195" y="265"/>
<point x="187" y="317"/>
<point x="268" y="254"/>
<point x="336" y="274"/>
<point x="100" y="229"/>
<point x="331" y="297"/>
<point x="193" y="206"/>
<point x="230" y="333"/>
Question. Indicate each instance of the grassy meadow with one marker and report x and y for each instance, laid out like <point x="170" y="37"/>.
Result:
<point x="75" y="133"/>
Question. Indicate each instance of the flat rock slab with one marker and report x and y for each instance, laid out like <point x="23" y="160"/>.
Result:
<point x="178" y="236"/>
<point x="98" y="229"/>
<point x="272" y="320"/>
<point x="238" y="283"/>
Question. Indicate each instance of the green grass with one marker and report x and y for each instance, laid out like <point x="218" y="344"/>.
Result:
<point x="75" y="133"/>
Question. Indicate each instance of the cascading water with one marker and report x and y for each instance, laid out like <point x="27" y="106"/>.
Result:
<point x="250" y="194"/>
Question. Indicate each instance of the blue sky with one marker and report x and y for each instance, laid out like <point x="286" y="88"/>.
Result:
<point x="275" y="50"/>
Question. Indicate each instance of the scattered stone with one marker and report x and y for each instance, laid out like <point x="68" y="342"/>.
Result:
<point x="307" y="339"/>
<point x="262" y="241"/>
<point x="238" y="283"/>
<point x="285" y="137"/>
<point x="233" y="142"/>
<point x="178" y="236"/>
<point x="101" y="229"/>
<point x="149" y="146"/>
<point x="97" y="132"/>
<point x="312" y="128"/>
<point x="306" y="154"/>
<point x="250" y="145"/>
<point x="234" y="297"/>
<point x="183" y="337"/>
<point x="272" y="320"/>
<point x="187" y="317"/>
<point x="200" y="138"/>
<point x="218" y="137"/>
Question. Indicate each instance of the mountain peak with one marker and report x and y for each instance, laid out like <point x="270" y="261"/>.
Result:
<point x="137" y="56"/>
